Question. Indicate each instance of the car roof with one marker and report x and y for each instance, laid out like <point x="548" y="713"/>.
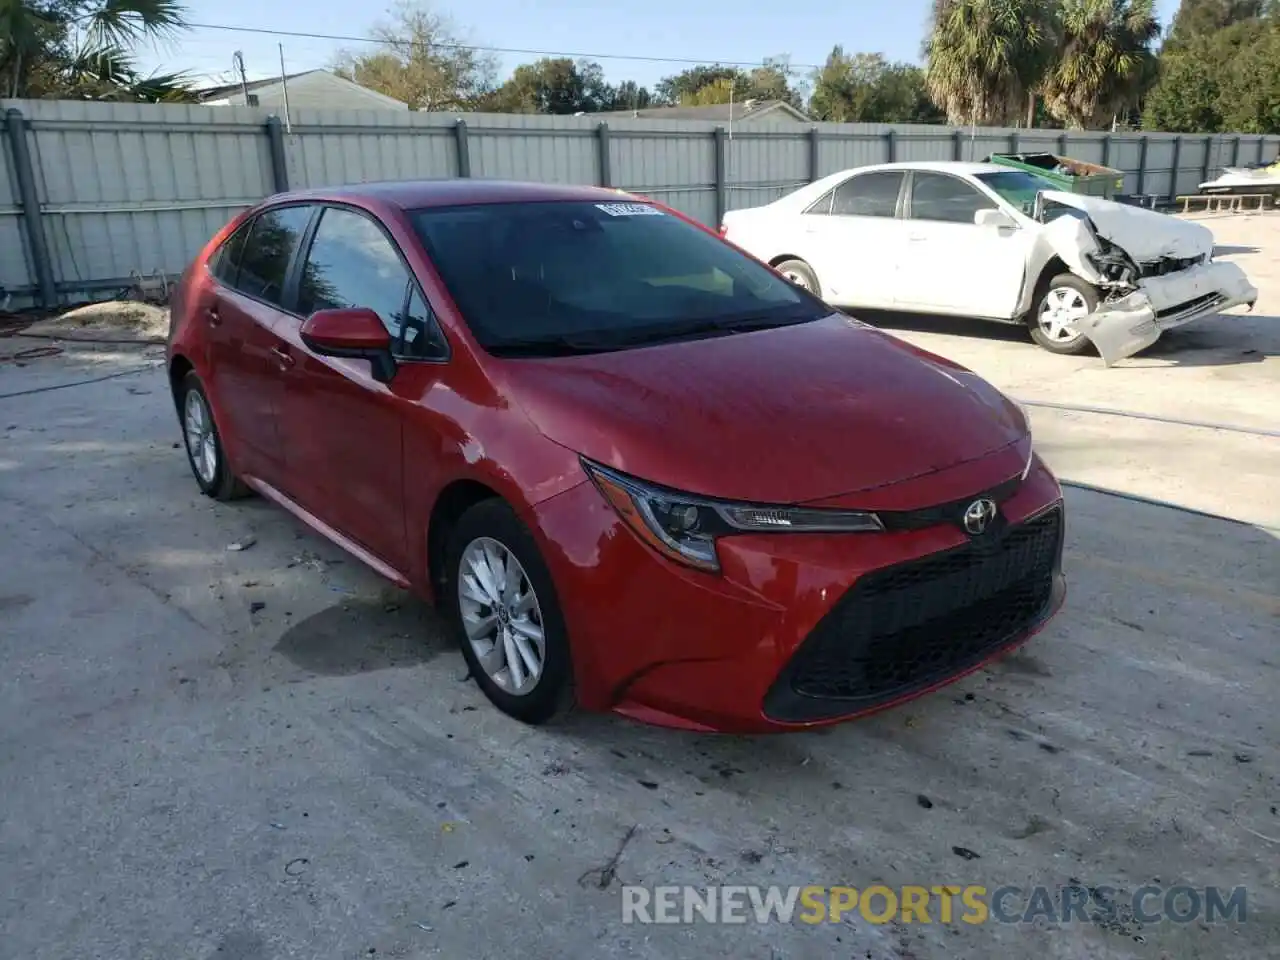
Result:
<point x="944" y="166"/>
<point x="811" y="192"/>
<point x="415" y="194"/>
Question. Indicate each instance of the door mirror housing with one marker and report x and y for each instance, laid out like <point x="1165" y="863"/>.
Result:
<point x="354" y="333"/>
<point x="991" y="217"/>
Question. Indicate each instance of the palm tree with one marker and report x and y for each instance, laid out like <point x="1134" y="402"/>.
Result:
<point x="987" y="57"/>
<point x="53" y="47"/>
<point x="1105" y="62"/>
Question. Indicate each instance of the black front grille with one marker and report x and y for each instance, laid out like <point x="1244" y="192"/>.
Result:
<point x="1199" y="303"/>
<point x="1167" y="265"/>
<point x="907" y="627"/>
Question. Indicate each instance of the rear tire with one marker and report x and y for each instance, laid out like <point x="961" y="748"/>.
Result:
<point x="1066" y="296"/>
<point x="801" y="274"/>
<point x="502" y="605"/>
<point x="205" y="453"/>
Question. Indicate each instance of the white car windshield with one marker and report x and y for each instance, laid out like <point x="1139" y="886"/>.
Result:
<point x="544" y="278"/>
<point x="1017" y="188"/>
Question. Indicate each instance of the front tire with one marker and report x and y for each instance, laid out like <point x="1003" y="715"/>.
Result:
<point x="801" y="274"/>
<point x="503" y="607"/>
<point x="1065" y="297"/>
<point x="205" y="453"/>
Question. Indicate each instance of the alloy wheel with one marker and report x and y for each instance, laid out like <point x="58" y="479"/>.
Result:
<point x="202" y="442"/>
<point x="1062" y="306"/>
<point x="501" y="616"/>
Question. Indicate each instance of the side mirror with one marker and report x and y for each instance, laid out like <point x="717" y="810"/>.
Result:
<point x="991" y="217"/>
<point x="355" y="334"/>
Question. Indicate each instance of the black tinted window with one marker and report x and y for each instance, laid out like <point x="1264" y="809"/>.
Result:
<point x="617" y="273"/>
<point x="935" y="196"/>
<point x="868" y="195"/>
<point x="421" y="338"/>
<point x="226" y="261"/>
<point x="272" y="241"/>
<point x="352" y="264"/>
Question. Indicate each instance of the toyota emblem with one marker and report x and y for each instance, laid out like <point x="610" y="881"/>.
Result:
<point x="978" y="516"/>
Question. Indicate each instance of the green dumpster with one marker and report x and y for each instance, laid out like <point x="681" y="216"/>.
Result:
<point x="1071" y="176"/>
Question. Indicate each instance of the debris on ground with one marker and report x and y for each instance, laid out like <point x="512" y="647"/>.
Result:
<point x="112" y="321"/>
<point x="602" y="877"/>
<point x="244" y="543"/>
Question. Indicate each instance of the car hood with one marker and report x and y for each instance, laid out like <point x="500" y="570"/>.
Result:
<point x="787" y="415"/>
<point x="1143" y="234"/>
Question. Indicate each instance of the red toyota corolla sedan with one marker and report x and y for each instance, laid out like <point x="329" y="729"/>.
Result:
<point x="634" y="467"/>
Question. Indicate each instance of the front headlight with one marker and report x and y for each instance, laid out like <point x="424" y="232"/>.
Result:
<point x="684" y="528"/>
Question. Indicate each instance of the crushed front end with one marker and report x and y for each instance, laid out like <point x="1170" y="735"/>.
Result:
<point x="1165" y="286"/>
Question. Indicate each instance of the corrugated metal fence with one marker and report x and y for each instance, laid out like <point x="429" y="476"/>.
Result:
<point x="95" y="194"/>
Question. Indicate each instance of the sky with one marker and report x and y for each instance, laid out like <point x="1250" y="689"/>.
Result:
<point x="744" y="31"/>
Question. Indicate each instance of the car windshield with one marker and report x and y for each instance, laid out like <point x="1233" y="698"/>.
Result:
<point x="543" y="278"/>
<point x="1017" y="187"/>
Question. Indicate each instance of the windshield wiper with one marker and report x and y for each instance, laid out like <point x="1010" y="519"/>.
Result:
<point x="605" y="341"/>
<point x="709" y="327"/>
<point x="550" y="346"/>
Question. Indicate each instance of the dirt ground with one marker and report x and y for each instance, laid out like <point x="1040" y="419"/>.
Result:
<point x="266" y="753"/>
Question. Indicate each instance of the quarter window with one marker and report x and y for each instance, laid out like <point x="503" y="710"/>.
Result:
<point x="935" y="196"/>
<point x="421" y="337"/>
<point x="267" y="253"/>
<point x="226" y="261"/>
<point x="868" y="195"/>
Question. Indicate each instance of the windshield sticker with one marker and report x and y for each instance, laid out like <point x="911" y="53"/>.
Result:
<point x="629" y="209"/>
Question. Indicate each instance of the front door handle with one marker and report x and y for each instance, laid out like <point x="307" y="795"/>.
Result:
<point x="283" y="357"/>
<point x="211" y="313"/>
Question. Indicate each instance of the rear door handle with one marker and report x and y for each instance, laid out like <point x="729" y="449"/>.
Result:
<point x="283" y="357"/>
<point x="212" y="314"/>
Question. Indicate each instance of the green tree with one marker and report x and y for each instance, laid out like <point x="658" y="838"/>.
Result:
<point x="1226" y="81"/>
<point x="84" y="48"/>
<point x="421" y="60"/>
<point x="552" y="85"/>
<point x="1104" y="62"/>
<point x="1250" y="100"/>
<point x="986" y="58"/>
<point x="867" y="88"/>
<point x="703" y="85"/>
<point x="680" y="88"/>
<point x="1203" y="18"/>
<point x="629" y="95"/>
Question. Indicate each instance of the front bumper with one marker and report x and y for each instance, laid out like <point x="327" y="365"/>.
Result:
<point x="1129" y="325"/>
<point x="798" y="630"/>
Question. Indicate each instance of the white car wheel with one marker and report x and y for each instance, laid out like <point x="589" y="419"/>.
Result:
<point x="1054" y="319"/>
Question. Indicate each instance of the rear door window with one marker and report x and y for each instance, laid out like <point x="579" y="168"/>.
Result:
<point x="264" y="264"/>
<point x="868" y="195"/>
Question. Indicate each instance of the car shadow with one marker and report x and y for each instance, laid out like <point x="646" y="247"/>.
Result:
<point x="970" y="327"/>
<point x="360" y="636"/>
<point x="1224" y="340"/>
<point x="1218" y="341"/>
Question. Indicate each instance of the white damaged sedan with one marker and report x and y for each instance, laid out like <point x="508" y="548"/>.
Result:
<point x="982" y="240"/>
